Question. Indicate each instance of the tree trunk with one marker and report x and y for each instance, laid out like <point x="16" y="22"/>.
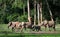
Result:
<point x="23" y="8"/>
<point x="41" y="12"/>
<point x="38" y="13"/>
<point x="34" y="12"/>
<point x="28" y="8"/>
<point x="49" y="10"/>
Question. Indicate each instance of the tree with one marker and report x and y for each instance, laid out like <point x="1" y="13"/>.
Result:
<point x="28" y="8"/>
<point x="38" y="13"/>
<point x="34" y="12"/>
<point x="49" y="11"/>
<point x="23" y="7"/>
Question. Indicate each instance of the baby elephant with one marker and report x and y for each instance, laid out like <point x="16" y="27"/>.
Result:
<point x="36" y="27"/>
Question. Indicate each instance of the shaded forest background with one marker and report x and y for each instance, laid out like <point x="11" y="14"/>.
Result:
<point x="13" y="10"/>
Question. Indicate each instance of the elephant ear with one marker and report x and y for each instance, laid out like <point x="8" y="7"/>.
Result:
<point x="51" y="22"/>
<point x="45" y="22"/>
<point x="10" y="23"/>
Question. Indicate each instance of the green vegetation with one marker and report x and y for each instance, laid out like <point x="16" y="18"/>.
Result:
<point x="16" y="10"/>
<point x="13" y="10"/>
<point x="29" y="35"/>
<point x="4" y="29"/>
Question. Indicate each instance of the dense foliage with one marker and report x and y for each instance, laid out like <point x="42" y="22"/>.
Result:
<point x="13" y="10"/>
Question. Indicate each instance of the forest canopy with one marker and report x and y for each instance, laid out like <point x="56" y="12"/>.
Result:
<point x="16" y="10"/>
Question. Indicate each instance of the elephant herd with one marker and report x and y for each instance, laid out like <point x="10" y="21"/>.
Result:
<point x="30" y="25"/>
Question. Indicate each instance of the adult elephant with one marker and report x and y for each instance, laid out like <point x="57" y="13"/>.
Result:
<point x="15" y="25"/>
<point x="49" y="24"/>
<point x="28" y="24"/>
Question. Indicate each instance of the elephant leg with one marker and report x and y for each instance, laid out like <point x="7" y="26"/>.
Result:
<point x="8" y="27"/>
<point x="45" y="28"/>
<point x="33" y="28"/>
<point x="24" y="27"/>
<point x="12" y="28"/>
<point x="54" y="28"/>
<point x="49" y="28"/>
<point x="21" y="29"/>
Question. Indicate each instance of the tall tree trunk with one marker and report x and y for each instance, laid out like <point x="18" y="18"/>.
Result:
<point x="23" y="8"/>
<point x="38" y="13"/>
<point x="34" y="12"/>
<point x="41" y="11"/>
<point x="49" y="10"/>
<point x="28" y="8"/>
